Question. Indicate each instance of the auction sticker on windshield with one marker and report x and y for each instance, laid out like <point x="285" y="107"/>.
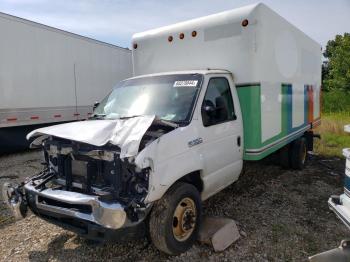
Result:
<point x="186" y="83"/>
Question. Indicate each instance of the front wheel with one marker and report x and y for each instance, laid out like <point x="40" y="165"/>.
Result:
<point x="175" y="219"/>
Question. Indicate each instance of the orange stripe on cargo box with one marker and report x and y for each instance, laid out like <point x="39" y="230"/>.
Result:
<point x="34" y="117"/>
<point x="56" y="116"/>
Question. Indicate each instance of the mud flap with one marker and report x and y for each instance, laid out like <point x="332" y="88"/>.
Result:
<point x="13" y="196"/>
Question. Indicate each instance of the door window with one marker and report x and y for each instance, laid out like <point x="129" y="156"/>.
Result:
<point x="218" y="105"/>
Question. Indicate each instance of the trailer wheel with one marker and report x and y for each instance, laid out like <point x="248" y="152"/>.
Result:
<point x="298" y="154"/>
<point x="175" y="219"/>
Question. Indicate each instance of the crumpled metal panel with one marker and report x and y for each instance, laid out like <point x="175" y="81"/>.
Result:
<point x="124" y="133"/>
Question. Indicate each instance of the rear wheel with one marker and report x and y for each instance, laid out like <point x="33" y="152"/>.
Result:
<point x="284" y="157"/>
<point x="298" y="153"/>
<point x="175" y="219"/>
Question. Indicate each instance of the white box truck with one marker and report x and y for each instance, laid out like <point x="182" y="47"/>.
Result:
<point x="48" y="76"/>
<point x="207" y="94"/>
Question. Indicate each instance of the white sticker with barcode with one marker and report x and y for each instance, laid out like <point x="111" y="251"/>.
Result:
<point x="186" y="83"/>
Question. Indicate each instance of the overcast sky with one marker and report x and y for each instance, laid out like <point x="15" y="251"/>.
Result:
<point x="114" y="21"/>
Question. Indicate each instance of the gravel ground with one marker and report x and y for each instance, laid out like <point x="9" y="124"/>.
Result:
<point x="282" y="216"/>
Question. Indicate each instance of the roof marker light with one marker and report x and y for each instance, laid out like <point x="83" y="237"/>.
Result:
<point x="135" y="45"/>
<point x="182" y="36"/>
<point x="245" y="22"/>
<point x="170" y="38"/>
<point x="194" y="33"/>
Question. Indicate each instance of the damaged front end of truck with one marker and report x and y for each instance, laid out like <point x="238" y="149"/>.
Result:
<point x="91" y="183"/>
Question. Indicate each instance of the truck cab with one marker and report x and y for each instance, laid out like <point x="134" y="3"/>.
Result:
<point x="172" y="139"/>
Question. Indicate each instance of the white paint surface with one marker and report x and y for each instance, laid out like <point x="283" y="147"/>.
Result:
<point x="45" y="71"/>
<point x="286" y="54"/>
<point x="271" y="110"/>
<point x="268" y="49"/>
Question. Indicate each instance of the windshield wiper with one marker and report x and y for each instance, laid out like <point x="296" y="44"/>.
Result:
<point x="127" y="117"/>
<point x="98" y="116"/>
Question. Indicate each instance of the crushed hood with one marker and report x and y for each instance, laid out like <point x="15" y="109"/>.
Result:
<point x="124" y="133"/>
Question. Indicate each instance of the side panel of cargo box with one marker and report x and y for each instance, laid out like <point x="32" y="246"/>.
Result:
<point x="293" y="116"/>
<point x="50" y="76"/>
<point x="284" y="100"/>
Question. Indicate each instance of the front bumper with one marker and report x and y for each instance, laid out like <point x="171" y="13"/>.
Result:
<point x="72" y="206"/>
<point x="340" y="205"/>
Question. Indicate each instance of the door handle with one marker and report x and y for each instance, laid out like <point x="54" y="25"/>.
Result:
<point x="238" y="141"/>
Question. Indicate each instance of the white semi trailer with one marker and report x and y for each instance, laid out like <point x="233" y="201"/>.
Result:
<point x="49" y="76"/>
<point x="209" y="94"/>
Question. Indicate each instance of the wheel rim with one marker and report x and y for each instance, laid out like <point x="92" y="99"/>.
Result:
<point x="184" y="219"/>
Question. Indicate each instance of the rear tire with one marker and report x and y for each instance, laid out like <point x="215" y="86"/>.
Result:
<point x="298" y="153"/>
<point x="284" y="157"/>
<point x="175" y="219"/>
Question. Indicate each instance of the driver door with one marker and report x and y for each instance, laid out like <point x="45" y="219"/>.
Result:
<point x="221" y="131"/>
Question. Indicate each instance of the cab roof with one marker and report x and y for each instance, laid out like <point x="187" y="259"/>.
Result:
<point x="202" y="72"/>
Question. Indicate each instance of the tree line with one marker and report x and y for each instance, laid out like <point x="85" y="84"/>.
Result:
<point x="336" y="67"/>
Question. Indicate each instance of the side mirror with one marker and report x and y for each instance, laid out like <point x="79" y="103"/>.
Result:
<point x="209" y="110"/>
<point x="96" y="104"/>
<point x="208" y="114"/>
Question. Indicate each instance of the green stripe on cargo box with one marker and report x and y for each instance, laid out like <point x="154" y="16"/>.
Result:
<point x="249" y="98"/>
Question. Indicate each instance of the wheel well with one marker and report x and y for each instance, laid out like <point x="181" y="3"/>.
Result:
<point x="193" y="178"/>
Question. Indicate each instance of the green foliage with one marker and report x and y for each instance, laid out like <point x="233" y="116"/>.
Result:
<point x="336" y="70"/>
<point x="336" y="101"/>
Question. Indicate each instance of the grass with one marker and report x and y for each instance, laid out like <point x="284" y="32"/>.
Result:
<point x="336" y="102"/>
<point x="333" y="137"/>
<point x="335" y="115"/>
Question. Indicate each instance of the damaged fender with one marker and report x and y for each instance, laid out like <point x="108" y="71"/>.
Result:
<point x="170" y="158"/>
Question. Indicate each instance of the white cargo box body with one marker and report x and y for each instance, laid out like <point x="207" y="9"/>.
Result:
<point x="276" y="68"/>
<point x="49" y="75"/>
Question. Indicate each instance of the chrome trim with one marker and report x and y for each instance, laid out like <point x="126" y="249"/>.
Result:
<point x="110" y="215"/>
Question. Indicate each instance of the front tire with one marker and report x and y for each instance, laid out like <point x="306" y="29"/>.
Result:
<point x="175" y="219"/>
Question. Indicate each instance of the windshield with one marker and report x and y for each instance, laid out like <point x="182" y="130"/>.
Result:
<point x="169" y="97"/>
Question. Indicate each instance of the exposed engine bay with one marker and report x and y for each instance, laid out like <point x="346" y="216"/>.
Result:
<point x="88" y="182"/>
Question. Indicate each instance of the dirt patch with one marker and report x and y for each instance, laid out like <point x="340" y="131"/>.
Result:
<point x="282" y="214"/>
